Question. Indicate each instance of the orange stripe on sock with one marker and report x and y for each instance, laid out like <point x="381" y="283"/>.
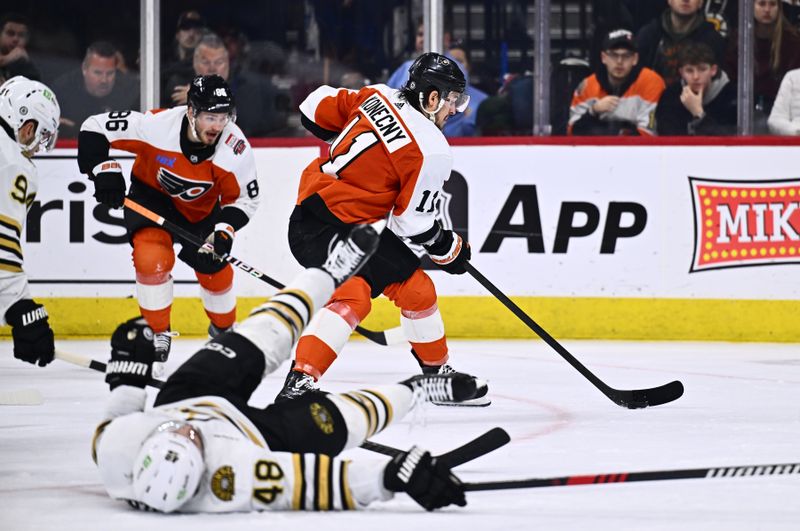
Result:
<point x="433" y="353"/>
<point x="314" y="356"/>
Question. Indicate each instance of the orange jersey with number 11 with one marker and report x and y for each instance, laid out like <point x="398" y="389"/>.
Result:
<point x="387" y="157"/>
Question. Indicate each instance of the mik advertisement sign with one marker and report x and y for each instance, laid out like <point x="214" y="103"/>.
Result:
<point x="745" y="223"/>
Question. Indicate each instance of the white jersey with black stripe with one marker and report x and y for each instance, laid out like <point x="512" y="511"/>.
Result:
<point x="19" y="183"/>
<point x="242" y="474"/>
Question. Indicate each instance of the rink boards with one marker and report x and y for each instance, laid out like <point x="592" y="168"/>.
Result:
<point x="593" y="241"/>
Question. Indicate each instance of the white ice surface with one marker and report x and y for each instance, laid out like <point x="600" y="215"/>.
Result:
<point x="741" y="407"/>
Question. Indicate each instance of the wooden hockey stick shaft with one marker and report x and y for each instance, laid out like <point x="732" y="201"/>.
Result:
<point x="387" y="337"/>
<point x="632" y="399"/>
<point x="784" y="469"/>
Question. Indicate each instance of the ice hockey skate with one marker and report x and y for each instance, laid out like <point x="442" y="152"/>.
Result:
<point x="214" y="331"/>
<point x="297" y="384"/>
<point x="162" y="341"/>
<point x="350" y="254"/>
<point x="478" y="399"/>
<point x="451" y="388"/>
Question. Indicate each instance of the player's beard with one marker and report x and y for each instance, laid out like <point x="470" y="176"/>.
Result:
<point x="208" y="137"/>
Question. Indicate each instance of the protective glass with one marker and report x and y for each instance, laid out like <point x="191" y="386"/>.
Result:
<point x="458" y="100"/>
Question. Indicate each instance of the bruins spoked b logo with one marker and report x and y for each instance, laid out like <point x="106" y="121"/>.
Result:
<point x="181" y="187"/>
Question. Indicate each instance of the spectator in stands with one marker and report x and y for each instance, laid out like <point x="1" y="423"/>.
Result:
<point x="684" y="21"/>
<point x="95" y="88"/>
<point x="621" y="97"/>
<point x="399" y="77"/>
<point x="14" y="60"/>
<point x="785" y="116"/>
<point x="777" y="50"/>
<point x="255" y="95"/>
<point x="611" y="14"/>
<point x="703" y="101"/>
<point x="237" y="44"/>
<point x="187" y="34"/>
<point x="463" y="123"/>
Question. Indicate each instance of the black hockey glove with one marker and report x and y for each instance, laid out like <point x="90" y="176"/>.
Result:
<point x="33" y="337"/>
<point x="221" y="240"/>
<point x="449" y="251"/>
<point x="109" y="184"/>
<point x="429" y="482"/>
<point x="132" y="354"/>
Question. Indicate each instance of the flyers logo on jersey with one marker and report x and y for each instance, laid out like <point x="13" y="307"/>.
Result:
<point x="388" y="125"/>
<point x="181" y="187"/>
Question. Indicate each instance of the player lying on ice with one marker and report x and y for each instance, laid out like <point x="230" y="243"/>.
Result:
<point x="202" y="448"/>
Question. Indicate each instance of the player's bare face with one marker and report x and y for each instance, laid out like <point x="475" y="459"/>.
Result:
<point x="209" y="126"/>
<point x="99" y="74"/>
<point x="451" y="105"/>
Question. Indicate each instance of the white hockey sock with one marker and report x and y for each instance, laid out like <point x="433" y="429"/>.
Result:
<point x="154" y="296"/>
<point x="275" y="325"/>
<point x="368" y="411"/>
<point x="424" y="326"/>
<point x="218" y="301"/>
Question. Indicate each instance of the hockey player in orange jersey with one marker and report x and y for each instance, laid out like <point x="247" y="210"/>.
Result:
<point x="388" y="157"/>
<point x="193" y="167"/>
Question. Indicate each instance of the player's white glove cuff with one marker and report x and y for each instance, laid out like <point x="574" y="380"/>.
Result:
<point x="225" y="227"/>
<point x="107" y="166"/>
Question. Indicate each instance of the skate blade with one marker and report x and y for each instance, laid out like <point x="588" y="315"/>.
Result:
<point x="482" y="401"/>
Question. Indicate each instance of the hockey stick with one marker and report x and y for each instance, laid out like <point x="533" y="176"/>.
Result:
<point x="387" y="337"/>
<point x="628" y="477"/>
<point x="632" y="399"/>
<point x="481" y="445"/>
<point x="21" y="397"/>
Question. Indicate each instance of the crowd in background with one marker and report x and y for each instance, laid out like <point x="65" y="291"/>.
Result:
<point x="651" y="67"/>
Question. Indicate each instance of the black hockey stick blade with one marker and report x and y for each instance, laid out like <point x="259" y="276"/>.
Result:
<point x="641" y="398"/>
<point x="378" y="337"/>
<point x="784" y="469"/>
<point x="632" y="399"/>
<point x="480" y="445"/>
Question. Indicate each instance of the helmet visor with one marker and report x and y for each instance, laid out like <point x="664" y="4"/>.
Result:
<point x="458" y="100"/>
<point x="47" y="140"/>
<point x="215" y="118"/>
<point x="182" y="428"/>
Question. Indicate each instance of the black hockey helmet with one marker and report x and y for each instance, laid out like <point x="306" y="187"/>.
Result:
<point x="435" y="70"/>
<point x="134" y="337"/>
<point x="211" y="94"/>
